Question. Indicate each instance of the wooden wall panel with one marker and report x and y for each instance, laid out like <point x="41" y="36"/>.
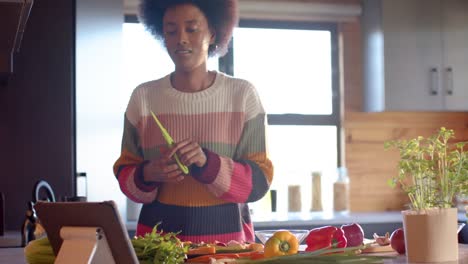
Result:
<point x="408" y="119"/>
<point x="370" y="166"/>
<point x="351" y="62"/>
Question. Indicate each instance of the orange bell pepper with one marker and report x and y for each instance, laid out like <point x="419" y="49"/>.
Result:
<point x="281" y="243"/>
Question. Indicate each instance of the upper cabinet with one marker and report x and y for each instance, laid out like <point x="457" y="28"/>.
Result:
<point x="13" y="17"/>
<point x="416" y="55"/>
<point x="455" y="59"/>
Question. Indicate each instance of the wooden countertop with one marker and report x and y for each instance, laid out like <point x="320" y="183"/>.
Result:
<point x="400" y="259"/>
<point x="16" y="256"/>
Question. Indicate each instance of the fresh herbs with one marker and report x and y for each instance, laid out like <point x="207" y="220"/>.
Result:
<point x="432" y="171"/>
<point x="157" y="247"/>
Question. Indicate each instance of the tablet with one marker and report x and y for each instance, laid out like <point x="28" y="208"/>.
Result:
<point x="54" y="216"/>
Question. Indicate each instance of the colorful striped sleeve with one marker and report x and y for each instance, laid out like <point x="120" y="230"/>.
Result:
<point x="247" y="176"/>
<point x="129" y="166"/>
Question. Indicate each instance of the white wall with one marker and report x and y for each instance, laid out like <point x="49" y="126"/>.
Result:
<point x="100" y="96"/>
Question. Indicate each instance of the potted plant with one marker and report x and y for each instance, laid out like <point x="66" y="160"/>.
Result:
<point x="432" y="171"/>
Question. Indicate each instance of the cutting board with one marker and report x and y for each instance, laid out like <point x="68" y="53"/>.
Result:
<point x="376" y="248"/>
<point x="373" y="247"/>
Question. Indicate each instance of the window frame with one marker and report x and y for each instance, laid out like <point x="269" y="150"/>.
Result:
<point x="226" y="65"/>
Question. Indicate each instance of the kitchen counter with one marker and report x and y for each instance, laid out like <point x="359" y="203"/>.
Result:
<point x="325" y="218"/>
<point x="16" y="256"/>
<point x="371" y="222"/>
<point x="401" y="259"/>
<point x="302" y="219"/>
<point x="10" y="239"/>
<point x="331" y="218"/>
<point x="12" y="255"/>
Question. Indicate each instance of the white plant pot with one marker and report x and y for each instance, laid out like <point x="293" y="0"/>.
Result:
<point x="431" y="235"/>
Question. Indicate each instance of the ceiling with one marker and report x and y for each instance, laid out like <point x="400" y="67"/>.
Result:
<point x="299" y="10"/>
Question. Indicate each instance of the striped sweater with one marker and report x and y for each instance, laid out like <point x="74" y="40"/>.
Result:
<point x="228" y="121"/>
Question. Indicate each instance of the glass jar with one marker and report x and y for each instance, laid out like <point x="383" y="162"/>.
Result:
<point x="316" y="191"/>
<point x="341" y="191"/>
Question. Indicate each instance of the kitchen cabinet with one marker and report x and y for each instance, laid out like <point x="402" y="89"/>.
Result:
<point x="423" y="52"/>
<point x="37" y="133"/>
<point x="13" y="18"/>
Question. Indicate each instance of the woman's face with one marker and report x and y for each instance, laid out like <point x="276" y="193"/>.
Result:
<point x="187" y="36"/>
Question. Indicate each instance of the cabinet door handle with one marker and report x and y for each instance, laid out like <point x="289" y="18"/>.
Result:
<point x="449" y="81"/>
<point x="434" y="81"/>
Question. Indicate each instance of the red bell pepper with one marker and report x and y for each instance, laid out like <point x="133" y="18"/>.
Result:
<point x="325" y="237"/>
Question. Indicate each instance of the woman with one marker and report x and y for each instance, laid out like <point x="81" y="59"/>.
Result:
<point x="217" y="122"/>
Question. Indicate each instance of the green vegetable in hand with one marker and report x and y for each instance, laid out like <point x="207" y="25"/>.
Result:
<point x="156" y="247"/>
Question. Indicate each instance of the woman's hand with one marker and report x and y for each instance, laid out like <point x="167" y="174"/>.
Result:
<point x="189" y="153"/>
<point x="164" y="169"/>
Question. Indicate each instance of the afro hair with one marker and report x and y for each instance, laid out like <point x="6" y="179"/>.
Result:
<point x="222" y="16"/>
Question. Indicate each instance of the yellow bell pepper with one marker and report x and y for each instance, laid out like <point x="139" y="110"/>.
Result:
<point x="281" y="243"/>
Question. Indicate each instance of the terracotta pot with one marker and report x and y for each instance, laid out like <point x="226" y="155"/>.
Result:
<point x="431" y="235"/>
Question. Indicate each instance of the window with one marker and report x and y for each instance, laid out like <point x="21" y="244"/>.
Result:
<point x="294" y="68"/>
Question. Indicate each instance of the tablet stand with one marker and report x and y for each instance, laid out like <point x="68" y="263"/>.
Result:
<point x="83" y="245"/>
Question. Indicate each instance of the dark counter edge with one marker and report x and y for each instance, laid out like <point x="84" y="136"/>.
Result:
<point x="371" y="222"/>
